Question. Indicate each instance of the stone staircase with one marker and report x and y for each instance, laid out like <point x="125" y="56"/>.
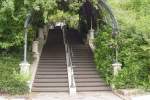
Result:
<point x="51" y="74"/>
<point x="86" y="76"/>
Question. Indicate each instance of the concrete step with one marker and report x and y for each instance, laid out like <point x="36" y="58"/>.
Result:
<point x="92" y="89"/>
<point x="77" y="76"/>
<point x="88" y="80"/>
<point x="50" y="89"/>
<point x="44" y="67"/>
<point x="73" y="58"/>
<point x="82" y="56"/>
<point x="85" y="72"/>
<point x="84" y="69"/>
<point x="58" y="80"/>
<point x="52" y="70"/>
<point x="80" y="65"/>
<point x="50" y="84"/>
<point x="52" y="61"/>
<point x="51" y="73"/>
<point x="52" y="64"/>
<point x="50" y="76"/>
<point x="90" y="84"/>
<point x="82" y="61"/>
<point x="54" y="58"/>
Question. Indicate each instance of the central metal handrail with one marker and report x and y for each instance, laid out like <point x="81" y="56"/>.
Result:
<point x="68" y="49"/>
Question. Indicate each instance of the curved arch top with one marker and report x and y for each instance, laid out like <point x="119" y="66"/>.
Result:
<point x="101" y="3"/>
<point x="114" y="21"/>
<point x="28" y="18"/>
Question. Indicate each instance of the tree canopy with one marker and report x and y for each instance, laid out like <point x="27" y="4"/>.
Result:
<point x="13" y="14"/>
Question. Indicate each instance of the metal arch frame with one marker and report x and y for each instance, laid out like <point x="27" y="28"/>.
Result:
<point x="28" y="19"/>
<point x="115" y="30"/>
<point x="26" y="26"/>
<point x="103" y="3"/>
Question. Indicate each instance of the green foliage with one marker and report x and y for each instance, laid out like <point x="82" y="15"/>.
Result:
<point x="134" y="45"/>
<point x="135" y="56"/>
<point x="47" y="6"/>
<point x="70" y="19"/>
<point x="66" y="11"/>
<point x="10" y="80"/>
<point x="104" y="52"/>
<point x="12" y="15"/>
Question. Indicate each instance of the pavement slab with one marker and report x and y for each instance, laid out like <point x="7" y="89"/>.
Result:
<point x="79" y="96"/>
<point x="140" y="97"/>
<point x="65" y="96"/>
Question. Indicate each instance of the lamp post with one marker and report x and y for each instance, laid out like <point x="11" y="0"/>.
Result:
<point x="24" y="66"/>
<point x="91" y="36"/>
<point x="116" y="68"/>
<point x="116" y="65"/>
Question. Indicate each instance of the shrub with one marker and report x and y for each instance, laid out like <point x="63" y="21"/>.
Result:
<point x="10" y="80"/>
<point x="132" y="54"/>
<point x="134" y="46"/>
<point x="103" y="53"/>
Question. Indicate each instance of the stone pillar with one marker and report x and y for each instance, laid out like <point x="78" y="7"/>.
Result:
<point x="51" y="26"/>
<point x="91" y="39"/>
<point x="41" y="35"/>
<point x="45" y="31"/>
<point x="116" y="68"/>
<point x="35" y="49"/>
<point x="24" y="68"/>
<point x="91" y="32"/>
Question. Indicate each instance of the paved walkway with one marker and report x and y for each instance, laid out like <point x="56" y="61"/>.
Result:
<point x="65" y="96"/>
<point x="141" y="97"/>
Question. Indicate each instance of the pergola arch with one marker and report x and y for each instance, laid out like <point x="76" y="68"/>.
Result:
<point x="101" y="4"/>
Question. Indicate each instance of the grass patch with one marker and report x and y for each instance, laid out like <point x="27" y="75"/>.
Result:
<point x="11" y="82"/>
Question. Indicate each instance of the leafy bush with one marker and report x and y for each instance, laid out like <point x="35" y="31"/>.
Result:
<point x="10" y="80"/>
<point x="11" y="24"/>
<point x="136" y="62"/>
<point x="103" y="53"/>
<point x="134" y="46"/>
<point x="132" y="54"/>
